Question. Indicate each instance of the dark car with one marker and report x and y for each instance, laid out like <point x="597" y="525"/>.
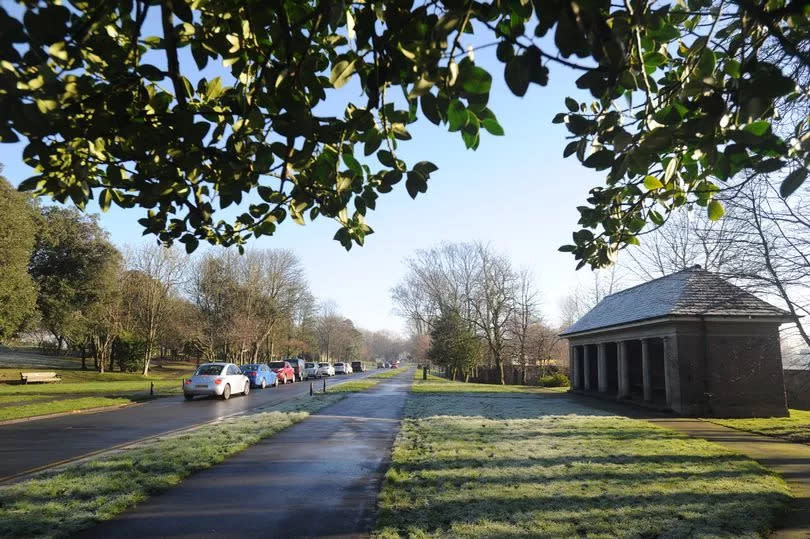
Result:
<point x="299" y="367"/>
<point x="357" y="366"/>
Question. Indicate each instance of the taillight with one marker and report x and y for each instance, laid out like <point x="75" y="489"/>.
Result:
<point x="218" y="381"/>
<point x="188" y="381"/>
<point x="251" y="373"/>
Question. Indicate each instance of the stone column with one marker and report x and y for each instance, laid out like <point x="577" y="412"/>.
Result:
<point x="586" y="361"/>
<point x="571" y="363"/>
<point x="672" y="372"/>
<point x="575" y="368"/>
<point x="601" y="363"/>
<point x="646" y="369"/>
<point x="624" y="370"/>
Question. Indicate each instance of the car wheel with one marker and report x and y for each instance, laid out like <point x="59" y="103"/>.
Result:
<point x="247" y="389"/>
<point x="226" y="393"/>
<point x="264" y="384"/>
<point x="188" y="397"/>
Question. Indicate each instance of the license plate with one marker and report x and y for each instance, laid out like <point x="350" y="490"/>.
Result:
<point x="202" y="385"/>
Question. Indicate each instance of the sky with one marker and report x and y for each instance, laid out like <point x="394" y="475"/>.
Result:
<point x="516" y="193"/>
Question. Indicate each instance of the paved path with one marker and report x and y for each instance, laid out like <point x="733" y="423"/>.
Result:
<point x="34" y="444"/>
<point x="789" y="459"/>
<point x="318" y="478"/>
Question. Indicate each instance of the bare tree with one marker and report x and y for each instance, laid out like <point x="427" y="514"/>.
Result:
<point x="164" y="269"/>
<point x="525" y="315"/>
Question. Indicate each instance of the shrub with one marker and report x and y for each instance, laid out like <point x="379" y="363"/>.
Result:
<point x="555" y="380"/>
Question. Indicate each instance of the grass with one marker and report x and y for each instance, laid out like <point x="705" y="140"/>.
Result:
<point x="353" y="386"/>
<point x="53" y="407"/>
<point x="795" y="428"/>
<point x="435" y="384"/>
<point x="61" y="503"/>
<point x="475" y="465"/>
<point x="84" y="389"/>
<point x="390" y="373"/>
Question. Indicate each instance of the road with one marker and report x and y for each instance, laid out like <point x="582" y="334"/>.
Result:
<point x="31" y="445"/>
<point x="318" y="478"/>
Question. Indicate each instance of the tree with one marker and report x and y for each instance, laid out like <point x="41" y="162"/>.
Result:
<point x="162" y="272"/>
<point x="69" y="262"/>
<point x="102" y="120"/>
<point x="524" y="317"/>
<point x="454" y="345"/>
<point x="328" y="327"/>
<point x="18" y="228"/>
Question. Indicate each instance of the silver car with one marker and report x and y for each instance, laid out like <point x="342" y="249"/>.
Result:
<point x="311" y="370"/>
<point x="216" y="379"/>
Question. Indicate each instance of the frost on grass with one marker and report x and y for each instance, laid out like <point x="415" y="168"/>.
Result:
<point x="60" y="503"/>
<point x="483" y="466"/>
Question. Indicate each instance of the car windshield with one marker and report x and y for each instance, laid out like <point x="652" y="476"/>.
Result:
<point x="338" y="364"/>
<point x="208" y="370"/>
<point x="250" y="368"/>
<point x="323" y="364"/>
<point x="276" y="364"/>
<point x="309" y="365"/>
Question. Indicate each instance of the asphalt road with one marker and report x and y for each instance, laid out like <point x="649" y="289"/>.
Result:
<point x="315" y="479"/>
<point x="34" y="444"/>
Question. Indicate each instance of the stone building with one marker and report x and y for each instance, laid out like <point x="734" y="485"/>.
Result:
<point x="690" y="342"/>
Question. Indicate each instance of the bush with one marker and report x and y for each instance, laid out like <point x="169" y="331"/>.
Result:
<point x="129" y="352"/>
<point x="555" y="380"/>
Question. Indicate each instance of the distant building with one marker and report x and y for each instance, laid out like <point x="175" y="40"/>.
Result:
<point x="690" y="342"/>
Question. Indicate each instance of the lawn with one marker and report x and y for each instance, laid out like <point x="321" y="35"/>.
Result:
<point x="481" y="465"/>
<point x="84" y="389"/>
<point x="435" y="384"/>
<point x="795" y="428"/>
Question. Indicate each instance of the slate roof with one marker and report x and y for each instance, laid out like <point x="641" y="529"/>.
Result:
<point x="690" y="292"/>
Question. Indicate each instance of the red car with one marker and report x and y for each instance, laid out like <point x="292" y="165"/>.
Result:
<point x="283" y="370"/>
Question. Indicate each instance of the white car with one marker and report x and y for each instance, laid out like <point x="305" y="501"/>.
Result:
<point x="216" y="379"/>
<point x="325" y="369"/>
<point x="340" y="368"/>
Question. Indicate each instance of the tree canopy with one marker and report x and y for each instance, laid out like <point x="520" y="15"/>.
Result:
<point x="18" y="293"/>
<point x="683" y="100"/>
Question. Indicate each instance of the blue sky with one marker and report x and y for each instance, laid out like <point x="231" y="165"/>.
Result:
<point x="515" y="192"/>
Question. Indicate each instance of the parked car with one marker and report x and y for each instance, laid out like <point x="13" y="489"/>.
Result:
<point x="357" y="366"/>
<point x="325" y="369"/>
<point x="216" y="379"/>
<point x="340" y="368"/>
<point x="311" y="370"/>
<point x="283" y="370"/>
<point x="298" y="368"/>
<point x="394" y="364"/>
<point x="260" y="375"/>
<point x="348" y="367"/>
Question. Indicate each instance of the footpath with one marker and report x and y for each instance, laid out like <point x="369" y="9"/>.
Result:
<point x="318" y="478"/>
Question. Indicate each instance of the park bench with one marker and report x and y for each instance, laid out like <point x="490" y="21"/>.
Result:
<point x="43" y="377"/>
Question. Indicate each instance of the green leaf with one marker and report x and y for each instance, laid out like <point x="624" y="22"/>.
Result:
<point x="386" y="158"/>
<point x="599" y="160"/>
<point x="476" y="80"/>
<point x="493" y="127"/>
<point x="456" y="115"/>
<point x="430" y="108"/>
<point x="758" y="128"/>
<point x="572" y="104"/>
<point x="716" y="210"/>
<point x="150" y="72"/>
<point x="651" y="183"/>
<point x="516" y="74"/>
<point x="793" y="181"/>
<point x="342" y="72"/>
<point x="416" y="183"/>
<point x="104" y="200"/>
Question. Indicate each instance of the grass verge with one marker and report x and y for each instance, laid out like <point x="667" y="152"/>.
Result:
<point x="55" y="407"/>
<point x="475" y="465"/>
<point x="60" y="503"/>
<point x="795" y="428"/>
<point x="353" y="386"/>
<point x="385" y="374"/>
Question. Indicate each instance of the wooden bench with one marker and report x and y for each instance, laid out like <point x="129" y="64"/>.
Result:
<point x="43" y="377"/>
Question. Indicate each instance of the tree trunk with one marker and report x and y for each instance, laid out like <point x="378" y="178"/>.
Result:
<point x="84" y="356"/>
